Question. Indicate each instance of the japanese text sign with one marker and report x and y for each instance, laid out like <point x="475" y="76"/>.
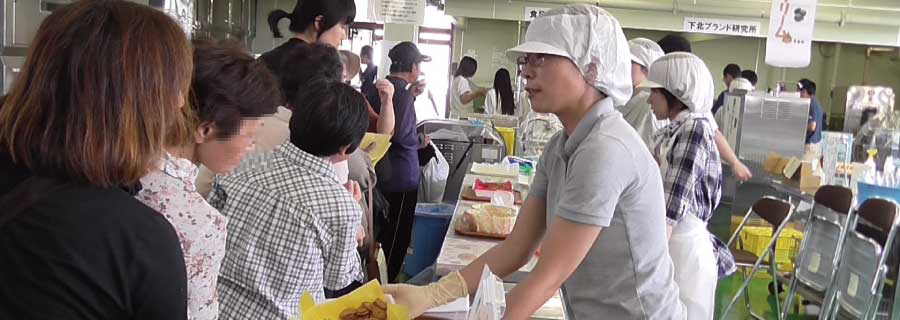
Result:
<point x="718" y="26"/>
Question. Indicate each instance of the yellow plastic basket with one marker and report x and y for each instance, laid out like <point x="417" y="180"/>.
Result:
<point x="755" y="238"/>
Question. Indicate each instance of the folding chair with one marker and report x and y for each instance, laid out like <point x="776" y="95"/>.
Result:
<point x="777" y="213"/>
<point x="818" y="260"/>
<point x="857" y="291"/>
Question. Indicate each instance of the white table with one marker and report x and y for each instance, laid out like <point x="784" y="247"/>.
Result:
<point x="459" y="251"/>
<point x="554" y="309"/>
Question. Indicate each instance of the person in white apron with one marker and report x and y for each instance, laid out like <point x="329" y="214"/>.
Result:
<point x="681" y="91"/>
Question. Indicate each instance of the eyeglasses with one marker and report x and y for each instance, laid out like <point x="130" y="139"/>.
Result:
<point x="534" y="60"/>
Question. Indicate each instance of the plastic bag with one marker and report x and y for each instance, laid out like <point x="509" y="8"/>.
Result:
<point x="490" y="300"/>
<point x="434" y="178"/>
<point x="331" y="310"/>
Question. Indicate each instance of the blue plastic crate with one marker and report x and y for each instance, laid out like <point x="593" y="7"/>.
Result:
<point x="430" y="225"/>
<point x="866" y="191"/>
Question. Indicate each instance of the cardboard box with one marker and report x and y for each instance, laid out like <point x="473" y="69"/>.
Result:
<point x="791" y="168"/>
<point x="771" y="163"/>
<point x="810" y="177"/>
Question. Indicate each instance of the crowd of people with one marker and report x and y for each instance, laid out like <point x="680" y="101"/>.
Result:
<point x="148" y="176"/>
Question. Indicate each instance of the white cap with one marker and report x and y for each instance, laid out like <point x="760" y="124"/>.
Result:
<point x="740" y="84"/>
<point x="644" y="51"/>
<point x="591" y="38"/>
<point x="686" y="77"/>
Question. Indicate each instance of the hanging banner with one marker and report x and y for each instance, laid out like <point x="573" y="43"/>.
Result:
<point x="718" y="26"/>
<point x="534" y="12"/>
<point x="789" y="42"/>
<point x="399" y="11"/>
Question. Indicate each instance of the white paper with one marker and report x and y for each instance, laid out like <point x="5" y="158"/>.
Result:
<point x="342" y="171"/>
<point x="804" y="206"/>
<point x="490" y="299"/>
<point x="400" y="11"/>
<point x="789" y="41"/>
<point x="503" y="199"/>
<point x="386" y="46"/>
<point x="458" y="305"/>
<point x="490" y="154"/>
<point x="853" y="286"/>
<point x="814" y="260"/>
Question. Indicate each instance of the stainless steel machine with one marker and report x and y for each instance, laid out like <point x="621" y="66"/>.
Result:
<point x="862" y="102"/>
<point x="462" y="143"/>
<point x="180" y="10"/>
<point x="21" y="20"/>
<point x="226" y="19"/>
<point x="757" y="124"/>
<point x="220" y="19"/>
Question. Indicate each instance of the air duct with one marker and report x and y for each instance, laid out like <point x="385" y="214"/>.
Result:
<point x="755" y="9"/>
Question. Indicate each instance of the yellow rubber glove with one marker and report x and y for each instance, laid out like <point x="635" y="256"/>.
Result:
<point x="423" y="298"/>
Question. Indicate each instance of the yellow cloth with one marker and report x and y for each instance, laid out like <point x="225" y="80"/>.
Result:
<point x="376" y="145"/>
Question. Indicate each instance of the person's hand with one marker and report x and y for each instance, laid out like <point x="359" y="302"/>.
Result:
<point x="741" y="172"/>
<point x="354" y="189"/>
<point x="427" y="140"/>
<point x="369" y="148"/>
<point x="421" y="299"/>
<point x="385" y="89"/>
<point x="360" y="237"/>
<point x="417" y="88"/>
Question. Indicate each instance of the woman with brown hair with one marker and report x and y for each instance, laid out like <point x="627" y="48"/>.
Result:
<point x="87" y="117"/>
<point x="230" y="92"/>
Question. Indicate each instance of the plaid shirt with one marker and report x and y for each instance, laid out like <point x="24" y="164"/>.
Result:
<point x="693" y="177"/>
<point x="292" y="229"/>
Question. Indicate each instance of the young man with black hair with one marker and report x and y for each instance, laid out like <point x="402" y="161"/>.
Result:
<point x="674" y="43"/>
<point x="816" y="121"/>
<point x="751" y="76"/>
<point x="368" y="76"/>
<point x="398" y="172"/>
<point x="292" y="225"/>
<point x="731" y="72"/>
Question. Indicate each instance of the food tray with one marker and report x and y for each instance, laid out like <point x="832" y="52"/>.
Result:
<point x="498" y="170"/>
<point x="469" y="194"/>
<point x="461" y="231"/>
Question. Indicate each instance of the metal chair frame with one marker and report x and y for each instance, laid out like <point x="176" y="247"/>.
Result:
<point x="778" y="226"/>
<point x="837" y="201"/>
<point x="890" y="228"/>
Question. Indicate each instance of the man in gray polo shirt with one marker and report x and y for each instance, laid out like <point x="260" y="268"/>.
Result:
<point x="596" y="204"/>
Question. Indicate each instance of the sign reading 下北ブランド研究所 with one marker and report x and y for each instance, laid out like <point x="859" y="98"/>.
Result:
<point x="719" y="26"/>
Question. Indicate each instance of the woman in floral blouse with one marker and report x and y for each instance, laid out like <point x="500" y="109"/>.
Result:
<point x="230" y="92"/>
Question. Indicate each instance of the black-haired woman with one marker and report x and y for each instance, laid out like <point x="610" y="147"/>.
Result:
<point x="312" y="21"/>
<point x="500" y="99"/>
<point x="462" y="94"/>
